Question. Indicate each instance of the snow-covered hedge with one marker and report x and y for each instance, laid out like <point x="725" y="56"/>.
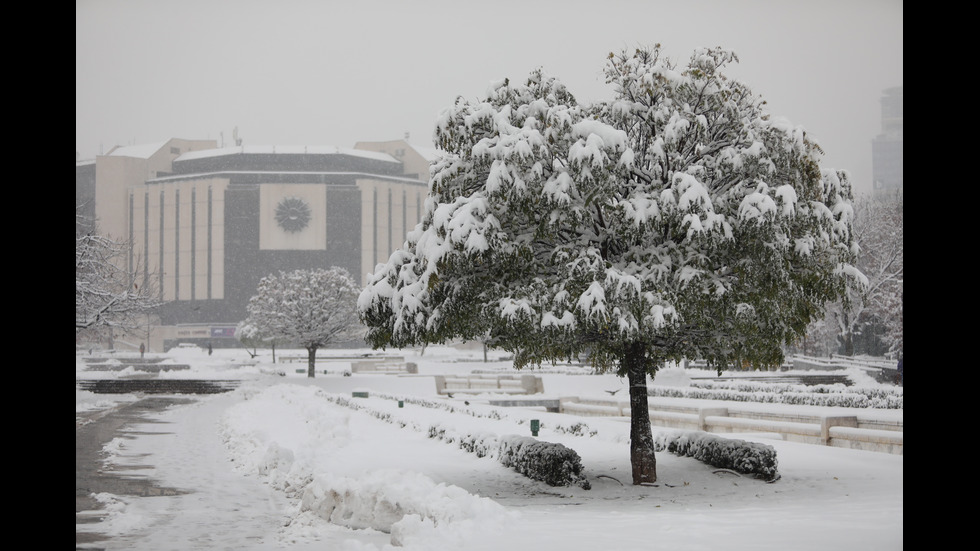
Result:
<point x="553" y="464"/>
<point x="740" y="456"/>
<point x="558" y="465"/>
<point x="775" y="393"/>
<point x="480" y="444"/>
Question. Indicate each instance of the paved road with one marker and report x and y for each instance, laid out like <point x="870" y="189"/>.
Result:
<point x="92" y="432"/>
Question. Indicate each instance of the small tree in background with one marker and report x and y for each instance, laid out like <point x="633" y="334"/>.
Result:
<point x="870" y="321"/>
<point x="310" y="308"/>
<point x="878" y="228"/>
<point x="108" y="295"/>
<point x="250" y="336"/>
<point x="678" y="220"/>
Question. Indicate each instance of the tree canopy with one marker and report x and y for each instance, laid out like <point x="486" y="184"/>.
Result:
<point x="309" y="308"/>
<point x="677" y="220"/>
<point x="679" y="214"/>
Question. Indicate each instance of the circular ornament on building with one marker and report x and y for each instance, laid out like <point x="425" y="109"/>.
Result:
<point x="293" y="214"/>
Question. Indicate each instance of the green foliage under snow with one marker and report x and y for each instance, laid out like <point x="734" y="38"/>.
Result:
<point x="737" y="455"/>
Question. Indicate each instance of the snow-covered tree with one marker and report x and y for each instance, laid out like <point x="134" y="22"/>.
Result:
<point x="871" y="320"/>
<point x="678" y="220"/>
<point x="878" y="227"/>
<point x="309" y="308"/>
<point x="107" y="294"/>
<point x="250" y="336"/>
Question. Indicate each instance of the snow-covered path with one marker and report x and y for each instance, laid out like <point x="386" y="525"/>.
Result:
<point x="224" y="510"/>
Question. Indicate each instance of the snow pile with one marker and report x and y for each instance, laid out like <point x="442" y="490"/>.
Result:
<point x="119" y="517"/>
<point x="408" y="505"/>
<point x="288" y="433"/>
<point x="86" y="402"/>
<point x="282" y="432"/>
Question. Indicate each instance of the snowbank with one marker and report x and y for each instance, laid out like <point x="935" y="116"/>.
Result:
<point x="286" y="433"/>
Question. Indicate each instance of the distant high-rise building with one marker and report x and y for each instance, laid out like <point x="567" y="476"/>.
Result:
<point x="886" y="148"/>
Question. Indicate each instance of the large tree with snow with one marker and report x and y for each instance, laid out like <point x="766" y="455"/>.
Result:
<point x="308" y="308"/>
<point x="678" y="220"/>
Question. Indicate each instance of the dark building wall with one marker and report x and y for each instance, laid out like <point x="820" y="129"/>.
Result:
<point x="887" y="163"/>
<point x="245" y="264"/>
<point x="344" y="229"/>
<point x="887" y="149"/>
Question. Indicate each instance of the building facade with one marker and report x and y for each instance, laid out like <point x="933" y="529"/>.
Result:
<point x="206" y="224"/>
<point x="887" y="148"/>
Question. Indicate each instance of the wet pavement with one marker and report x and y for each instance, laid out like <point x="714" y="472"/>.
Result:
<point x="93" y="430"/>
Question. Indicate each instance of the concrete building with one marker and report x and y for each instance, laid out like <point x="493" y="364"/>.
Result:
<point x="887" y="148"/>
<point x="205" y="224"/>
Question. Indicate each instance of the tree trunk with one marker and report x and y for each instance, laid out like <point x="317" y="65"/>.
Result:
<point x="311" y="370"/>
<point x="642" y="457"/>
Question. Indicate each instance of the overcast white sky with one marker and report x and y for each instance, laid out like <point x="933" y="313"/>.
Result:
<point x="332" y="72"/>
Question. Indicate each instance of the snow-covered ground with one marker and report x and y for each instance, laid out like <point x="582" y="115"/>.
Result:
<point x="292" y="462"/>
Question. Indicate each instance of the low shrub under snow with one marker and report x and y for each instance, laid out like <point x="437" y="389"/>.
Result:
<point x="737" y="455"/>
<point x="553" y="464"/>
<point x="836" y="395"/>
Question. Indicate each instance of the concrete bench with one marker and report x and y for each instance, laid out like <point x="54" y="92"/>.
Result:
<point x="504" y="384"/>
<point x="887" y="441"/>
<point x="384" y="365"/>
<point x="591" y="410"/>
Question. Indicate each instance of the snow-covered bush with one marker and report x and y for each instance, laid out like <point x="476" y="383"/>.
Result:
<point x="738" y="455"/>
<point x="553" y="464"/>
<point x="576" y="429"/>
<point x="482" y="444"/>
<point x="836" y="395"/>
